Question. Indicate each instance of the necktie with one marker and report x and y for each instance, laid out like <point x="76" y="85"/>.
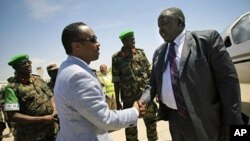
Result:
<point x="174" y="73"/>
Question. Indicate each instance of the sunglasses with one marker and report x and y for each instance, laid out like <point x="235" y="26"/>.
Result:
<point x="92" y="39"/>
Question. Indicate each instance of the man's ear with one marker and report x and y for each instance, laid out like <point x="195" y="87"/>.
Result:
<point x="75" y="45"/>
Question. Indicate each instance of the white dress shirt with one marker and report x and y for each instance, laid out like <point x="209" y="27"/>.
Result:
<point x="167" y="94"/>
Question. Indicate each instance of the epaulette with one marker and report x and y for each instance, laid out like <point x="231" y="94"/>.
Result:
<point x="36" y="76"/>
<point x="115" y="57"/>
<point x="11" y="79"/>
<point x="116" y="54"/>
<point x="139" y="49"/>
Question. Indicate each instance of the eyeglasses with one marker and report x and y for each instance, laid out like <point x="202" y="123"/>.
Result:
<point x="92" y="39"/>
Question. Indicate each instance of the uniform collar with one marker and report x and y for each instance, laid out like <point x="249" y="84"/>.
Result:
<point x="24" y="81"/>
<point x="127" y="51"/>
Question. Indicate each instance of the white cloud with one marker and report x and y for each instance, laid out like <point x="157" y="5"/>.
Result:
<point x="41" y="9"/>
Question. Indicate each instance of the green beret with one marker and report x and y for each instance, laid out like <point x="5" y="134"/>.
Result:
<point x="18" y="58"/>
<point x="126" y="33"/>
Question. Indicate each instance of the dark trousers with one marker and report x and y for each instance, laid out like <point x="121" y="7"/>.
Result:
<point x="181" y="128"/>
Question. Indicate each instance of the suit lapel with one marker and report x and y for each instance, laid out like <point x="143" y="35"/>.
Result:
<point x="162" y="57"/>
<point x="185" y="52"/>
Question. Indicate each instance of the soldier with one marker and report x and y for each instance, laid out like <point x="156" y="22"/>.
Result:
<point x="2" y="123"/>
<point x="105" y="78"/>
<point x="29" y="103"/>
<point x="131" y="70"/>
<point x="52" y="71"/>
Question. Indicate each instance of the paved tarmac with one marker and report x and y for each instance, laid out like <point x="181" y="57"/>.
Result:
<point x="162" y="130"/>
<point x="162" y="126"/>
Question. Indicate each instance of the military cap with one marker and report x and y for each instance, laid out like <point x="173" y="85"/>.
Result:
<point x="52" y="67"/>
<point x="126" y="33"/>
<point x="18" y="58"/>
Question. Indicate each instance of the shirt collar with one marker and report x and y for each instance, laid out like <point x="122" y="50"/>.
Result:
<point x="180" y="38"/>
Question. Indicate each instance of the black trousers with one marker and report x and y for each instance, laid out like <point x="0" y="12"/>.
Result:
<point x="181" y="128"/>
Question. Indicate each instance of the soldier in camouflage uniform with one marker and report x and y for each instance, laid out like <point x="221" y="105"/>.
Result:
<point x="2" y="123"/>
<point x="52" y="70"/>
<point x="131" y="70"/>
<point x="29" y="104"/>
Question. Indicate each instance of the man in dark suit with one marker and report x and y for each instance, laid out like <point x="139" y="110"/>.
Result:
<point x="195" y="80"/>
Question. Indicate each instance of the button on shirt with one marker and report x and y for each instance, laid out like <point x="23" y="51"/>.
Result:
<point x="167" y="94"/>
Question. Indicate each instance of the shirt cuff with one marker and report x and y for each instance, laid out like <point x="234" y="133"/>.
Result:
<point x="137" y="112"/>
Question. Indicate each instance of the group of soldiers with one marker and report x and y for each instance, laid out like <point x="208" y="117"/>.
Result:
<point x="29" y="103"/>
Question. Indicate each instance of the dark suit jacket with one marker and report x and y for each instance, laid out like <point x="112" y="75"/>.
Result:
<point x="208" y="80"/>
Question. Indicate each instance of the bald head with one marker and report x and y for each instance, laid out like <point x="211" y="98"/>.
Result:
<point x="103" y="69"/>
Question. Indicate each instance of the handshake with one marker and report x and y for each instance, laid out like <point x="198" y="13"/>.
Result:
<point x="141" y="107"/>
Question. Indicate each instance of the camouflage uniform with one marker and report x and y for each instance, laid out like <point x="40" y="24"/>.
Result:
<point x="2" y="123"/>
<point x="32" y="98"/>
<point x="52" y="70"/>
<point x="131" y="69"/>
<point x="51" y="85"/>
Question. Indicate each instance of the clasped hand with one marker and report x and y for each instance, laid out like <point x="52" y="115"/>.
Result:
<point x="141" y="107"/>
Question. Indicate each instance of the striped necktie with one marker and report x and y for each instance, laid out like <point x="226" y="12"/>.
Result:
<point x="174" y="73"/>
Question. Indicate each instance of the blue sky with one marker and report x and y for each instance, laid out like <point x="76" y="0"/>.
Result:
<point x="34" y="26"/>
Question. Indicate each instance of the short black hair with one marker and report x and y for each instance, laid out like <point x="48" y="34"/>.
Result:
<point x="176" y="12"/>
<point x="70" y="34"/>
